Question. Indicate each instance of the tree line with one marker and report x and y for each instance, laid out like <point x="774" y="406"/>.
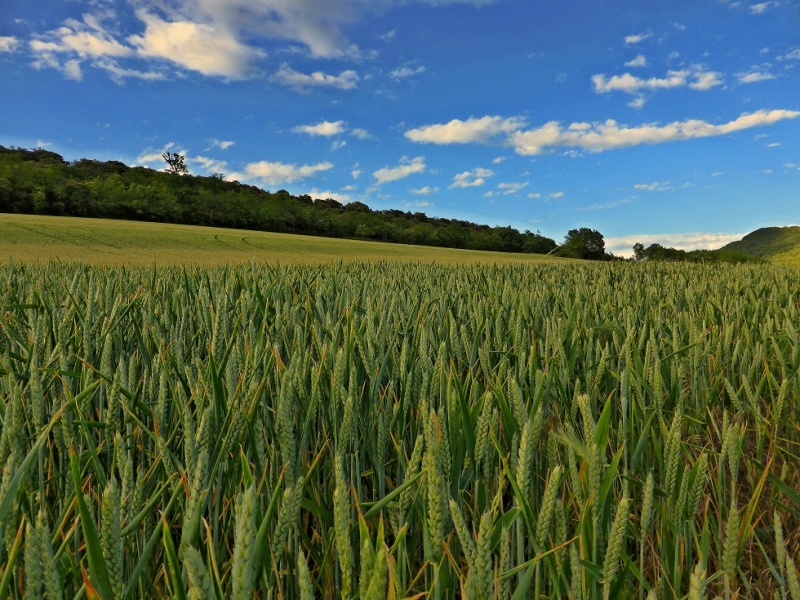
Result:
<point x="42" y="182"/>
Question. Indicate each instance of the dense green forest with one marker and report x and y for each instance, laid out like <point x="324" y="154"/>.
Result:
<point x="42" y="182"/>
<point x="659" y="253"/>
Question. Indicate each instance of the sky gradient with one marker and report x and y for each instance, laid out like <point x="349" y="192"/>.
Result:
<point x="670" y="122"/>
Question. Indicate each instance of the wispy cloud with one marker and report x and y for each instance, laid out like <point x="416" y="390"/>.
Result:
<point x="273" y="173"/>
<point x="639" y="61"/>
<point x="473" y="178"/>
<point x="346" y="80"/>
<point x="512" y="187"/>
<point x="406" y="71"/>
<point x="656" y="186"/>
<point x="755" y="74"/>
<point x="605" y="206"/>
<point x="638" y="37"/>
<point x="408" y="166"/>
<point x="361" y="134"/>
<point x="696" y="78"/>
<point x="8" y="43"/>
<point x="623" y="245"/>
<point x="425" y="191"/>
<point x="760" y="8"/>
<point x="463" y="132"/>
<point x="221" y="144"/>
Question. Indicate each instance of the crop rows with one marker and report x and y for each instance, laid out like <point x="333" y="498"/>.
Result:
<point x="391" y="431"/>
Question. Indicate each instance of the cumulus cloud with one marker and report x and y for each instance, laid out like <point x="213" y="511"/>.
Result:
<point x="346" y="80"/>
<point x="638" y="37"/>
<point x="325" y="128"/>
<point x="72" y="70"/>
<point x="608" y="135"/>
<point x="623" y="245"/>
<point x="425" y="191"/>
<point x="87" y="39"/>
<point x="639" y="61"/>
<point x="209" y="49"/>
<point x="408" y="166"/>
<point x="464" y="132"/>
<point x="407" y="71"/>
<point x="8" y="43"/>
<point x="473" y="178"/>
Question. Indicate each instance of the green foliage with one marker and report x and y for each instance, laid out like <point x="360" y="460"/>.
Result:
<point x="41" y="182"/>
<point x="658" y="253"/>
<point x="375" y="430"/>
<point x="779" y="245"/>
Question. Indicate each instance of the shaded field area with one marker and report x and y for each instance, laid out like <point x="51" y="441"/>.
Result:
<point x="27" y="238"/>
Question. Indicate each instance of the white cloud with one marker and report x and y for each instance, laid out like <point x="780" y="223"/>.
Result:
<point x="696" y="78"/>
<point x="346" y="80"/>
<point x="356" y="173"/>
<point x="656" y="186"/>
<point x="210" y="49"/>
<point x="425" y="191"/>
<point x="337" y="144"/>
<point x="72" y="70"/>
<point x="118" y="74"/>
<point x="499" y="159"/>
<point x="325" y="128"/>
<point x="609" y="135"/>
<point x="637" y="102"/>
<point x="210" y="165"/>
<point x="623" y="246"/>
<point x="473" y="178"/>
<point x="222" y="145"/>
<point x="639" y="61"/>
<point x="556" y="195"/>
<point x="760" y="8"/>
<point x="605" y="206"/>
<point x="793" y="55"/>
<point x="717" y="174"/>
<point x="754" y="75"/>
<point x="407" y="166"/>
<point x="361" y="134"/>
<point x="773" y="145"/>
<point x="8" y="43"/>
<point x="150" y="156"/>
<point x="407" y="71"/>
<point x="705" y="80"/>
<point x="343" y="198"/>
<point x="389" y="35"/>
<point x="512" y="187"/>
<point x="638" y="37"/>
<point x="464" y="132"/>
<point x="272" y="173"/>
<point x="87" y="39"/>
<point x="534" y="196"/>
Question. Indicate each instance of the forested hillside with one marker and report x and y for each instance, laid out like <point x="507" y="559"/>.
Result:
<point x="42" y="182"/>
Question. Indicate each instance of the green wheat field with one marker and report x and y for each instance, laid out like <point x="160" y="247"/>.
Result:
<point x="387" y="430"/>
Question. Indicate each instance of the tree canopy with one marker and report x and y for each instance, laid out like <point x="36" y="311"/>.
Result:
<point x="42" y="182"/>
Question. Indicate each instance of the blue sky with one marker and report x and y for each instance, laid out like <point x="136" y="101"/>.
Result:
<point x="676" y="122"/>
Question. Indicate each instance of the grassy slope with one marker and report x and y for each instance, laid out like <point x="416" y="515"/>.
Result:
<point x="33" y="238"/>
<point x="779" y="245"/>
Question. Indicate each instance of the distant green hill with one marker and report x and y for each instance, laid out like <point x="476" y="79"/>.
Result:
<point x="778" y="245"/>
